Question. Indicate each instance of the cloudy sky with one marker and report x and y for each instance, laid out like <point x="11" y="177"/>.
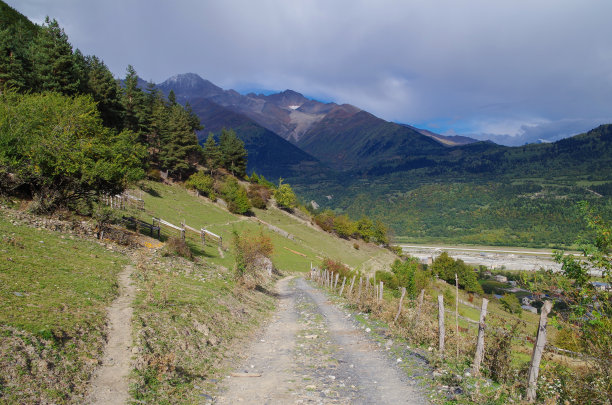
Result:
<point x="508" y="70"/>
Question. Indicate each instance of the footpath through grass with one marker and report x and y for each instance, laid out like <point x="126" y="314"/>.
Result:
<point x="54" y="291"/>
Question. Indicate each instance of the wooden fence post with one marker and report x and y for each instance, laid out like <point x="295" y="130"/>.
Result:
<point x="342" y="288"/>
<point x="352" y="282"/>
<point x="480" y="344"/>
<point x="336" y="282"/>
<point x="380" y="294"/>
<point x="360" y="281"/>
<point x="399" y="309"/>
<point x="441" y="324"/>
<point x="457" y="312"/>
<point x="538" y="349"/>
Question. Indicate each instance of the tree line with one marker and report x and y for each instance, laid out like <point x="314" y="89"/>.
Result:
<point x="70" y="131"/>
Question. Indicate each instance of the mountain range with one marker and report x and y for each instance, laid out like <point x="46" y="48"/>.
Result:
<point x="349" y="160"/>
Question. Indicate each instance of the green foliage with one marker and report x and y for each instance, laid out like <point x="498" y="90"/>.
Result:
<point x="53" y="62"/>
<point x="211" y="153"/>
<point x="410" y="274"/>
<point x="202" y="182"/>
<point x="179" y="149"/>
<point x="389" y="279"/>
<point x="365" y="228"/>
<point x="511" y="304"/>
<point x="590" y="309"/>
<point x="235" y="196"/>
<point x="446" y="267"/>
<point x="284" y="196"/>
<point x="344" y="227"/>
<point x="381" y="233"/>
<point x="57" y="147"/>
<point x="233" y="153"/>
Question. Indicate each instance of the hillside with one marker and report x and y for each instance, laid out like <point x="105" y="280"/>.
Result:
<point x="53" y="329"/>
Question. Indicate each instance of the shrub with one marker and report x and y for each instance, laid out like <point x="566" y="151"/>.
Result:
<point x="235" y="196"/>
<point x="285" y="197"/>
<point x="201" y="182"/>
<point x="177" y="247"/>
<point x="58" y="148"/>
<point x="259" y="195"/>
<point x="325" y="220"/>
<point x="250" y="249"/>
<point x="389" y="279"/>
<point x="344" y="227"/>
<point x="334" y="266"/>
<point x="511" y="304"/>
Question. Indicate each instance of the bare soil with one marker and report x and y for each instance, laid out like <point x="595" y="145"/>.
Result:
<point x="314" y="353"/>
<point x="109" y="384"/>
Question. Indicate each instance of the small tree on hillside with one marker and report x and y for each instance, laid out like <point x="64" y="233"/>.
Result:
<point x="211" y="153"/>
<point x="284" y="195"/>
<point x="233" y="153"/>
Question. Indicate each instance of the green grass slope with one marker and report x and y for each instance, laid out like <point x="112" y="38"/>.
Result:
<point x="308" y="245"/>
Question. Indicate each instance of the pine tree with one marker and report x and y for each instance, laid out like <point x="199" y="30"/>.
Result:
<point x="104" y="89"/>
<point x="211" y="153"/>
<point x="133" y="101"/>
<point x="179" y="149"/>
<point x="13" y="59"/>
<point x="233" y="153"/>
<point x="171" y="98"/>
<point x="53" y="62"/>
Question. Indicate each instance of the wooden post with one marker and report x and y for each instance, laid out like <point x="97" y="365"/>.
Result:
<point x="457" y="312"/>
<point x="360" y="282"/>
<point x="336" y="282"/>
<point x="538" y="349"/>
<point x="380" y="294"/>
<point x="441" y="324"/>
<point x="352" y="282"/>
<point x="342" y="288"/>
<point x="480" y="343"/>
<point x="420" y="300"/>
<point x="399" y="309"/>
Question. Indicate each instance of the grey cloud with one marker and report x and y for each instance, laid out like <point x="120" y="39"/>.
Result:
<point x="414" y="61"/>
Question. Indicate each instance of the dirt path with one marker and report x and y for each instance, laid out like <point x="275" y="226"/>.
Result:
<point x="313" y="353"/>
<point x="109" y="384"/>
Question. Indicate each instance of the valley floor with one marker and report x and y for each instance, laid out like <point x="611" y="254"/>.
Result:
<point x="493" y="257"/>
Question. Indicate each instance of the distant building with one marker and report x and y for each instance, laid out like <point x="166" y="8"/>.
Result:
<point x="601" y="286"/>
<point x="512" y="283"/>
<point x="487" y="274"/>
<point x="530" y="308"/>
<point x="500" y="278"/>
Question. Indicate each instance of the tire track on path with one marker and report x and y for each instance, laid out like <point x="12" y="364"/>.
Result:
<point x="312" y="353"/>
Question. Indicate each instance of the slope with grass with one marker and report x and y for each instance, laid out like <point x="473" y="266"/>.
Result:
<point x="54" y="290"/>
<point x="308" y="245"/>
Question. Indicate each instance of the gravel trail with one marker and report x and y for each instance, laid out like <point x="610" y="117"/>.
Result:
<point x="313" y="353"/>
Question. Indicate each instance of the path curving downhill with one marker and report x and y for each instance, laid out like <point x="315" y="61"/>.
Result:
<point x="311" y="353"/>
<point x="109" y="384"/>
